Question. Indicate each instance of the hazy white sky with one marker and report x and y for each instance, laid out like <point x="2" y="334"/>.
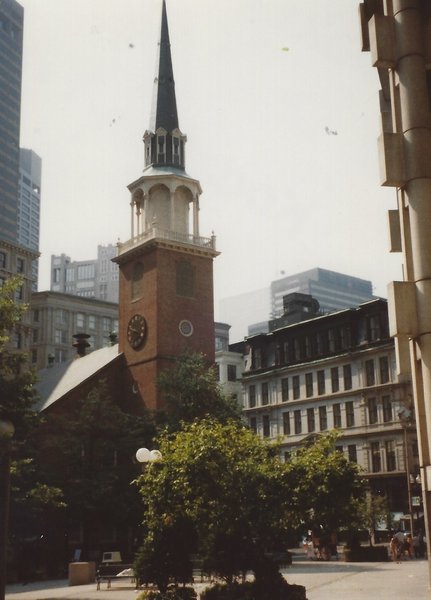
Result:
<point x="260" y="84"/>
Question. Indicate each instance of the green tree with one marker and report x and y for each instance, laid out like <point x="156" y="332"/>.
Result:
<point x="88" y="453"/>
<point x="327" y="488"/>
<point x="191" y="391"/>
<point x="229" y="486"/>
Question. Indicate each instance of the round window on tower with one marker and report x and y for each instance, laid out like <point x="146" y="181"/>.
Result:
<point x="186" y="328"/>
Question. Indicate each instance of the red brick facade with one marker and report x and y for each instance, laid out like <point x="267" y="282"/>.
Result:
<point x="156" y="298"/>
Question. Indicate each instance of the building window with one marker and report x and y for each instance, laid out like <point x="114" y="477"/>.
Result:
<point x="323" y="418"/>
<point x="231" y="372"/>
<point x="265" y="393"/>
<point x="60" y="336"/>
<point x="62" y="316"/>
<point x="347" y="376"/>
<point x="80" y="320"/>
<point x="384" y="369"/>
<point x="295" y="387"/>
<point x="20" y="265"/>
<point x="253" y="424"/>
<point x="336" y="412"/>
<point x="372" y="411"/>
<point x="286" y="423"/>
<point x="257" y="358"/>
<point x="3" y="260"/>
<point x="373" y="328"/>
<point x="265" y="426"/>
<point x="35" y="336"/>
<point x="297" y="421"/>
<point x="352" y="453"/>
<point x="137" y="280"/>
<point x="161" y="148"/>
<point x="309" y="384"/>
<point x="19" y="293"/>
<point x="34" y="356"/>
<point x="390" y="455"/>
<point x="387" y="409"/>
<point x="376" y="463"/>
<point x="217" y="371"/>
<point x="60" y="355"/>
<point x="92" y="322"/>
<point x="369" y="373"/>
<point x="311" y="424"/>
<point x="320" y="382"/>
<point x="350" y="414"/>
<point x="185" y="279"/>
<point x="36" y="315"/>
<point x="56" y="275"/>
<point x="252" y="396"/>
<point x="86" y="271"/>
<point x="335" y="382"/>
<point x="106" y="324"/>
<point x="284" y="389"/>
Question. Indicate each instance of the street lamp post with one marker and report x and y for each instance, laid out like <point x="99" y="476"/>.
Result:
<point x="145" y="456"/>
<point x="6" y="433"/>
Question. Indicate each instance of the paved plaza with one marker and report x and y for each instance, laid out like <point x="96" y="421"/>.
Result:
<point x="408" y="580"/>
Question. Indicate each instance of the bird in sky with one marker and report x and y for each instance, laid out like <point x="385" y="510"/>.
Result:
<point x="330" y="131"/>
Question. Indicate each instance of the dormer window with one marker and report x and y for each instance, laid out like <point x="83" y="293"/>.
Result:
<point x="161" y="148"/>
<point x="147" y="152"/>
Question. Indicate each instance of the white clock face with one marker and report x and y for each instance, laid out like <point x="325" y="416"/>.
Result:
<point x="186" y="328"/>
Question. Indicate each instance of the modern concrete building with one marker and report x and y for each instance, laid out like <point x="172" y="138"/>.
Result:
<point x="56" y="318"/>
<point x="397" y="34"/>
<point x="11" y="36"/>
<point x="336" y="371"/>
<point x="249" y="313"/>
<point x="332" y="290"/>
<point x="95" y="278"/>
<point x="28" y="222"/>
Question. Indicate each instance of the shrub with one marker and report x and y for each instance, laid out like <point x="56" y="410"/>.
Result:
<point x="280" y="590"/>
<point x="183" y="593"/>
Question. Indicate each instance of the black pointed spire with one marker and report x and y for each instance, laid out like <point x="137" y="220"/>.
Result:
<point x="164" y="143"/>
<point x="166" y="106"/>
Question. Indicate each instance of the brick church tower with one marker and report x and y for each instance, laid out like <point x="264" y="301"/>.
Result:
<point x="166" y="268"/>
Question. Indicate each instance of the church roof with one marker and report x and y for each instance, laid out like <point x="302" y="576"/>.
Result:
<point x="164" y="110"/>
<point x="58" y="380"/>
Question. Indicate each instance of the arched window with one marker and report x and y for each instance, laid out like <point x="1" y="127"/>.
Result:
<point x="185" y="279"/>
<point x="137" y="281"/>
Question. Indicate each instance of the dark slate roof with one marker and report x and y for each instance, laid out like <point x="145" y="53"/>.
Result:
<point x="164" y="103"/>
<point x="58" y="380"/>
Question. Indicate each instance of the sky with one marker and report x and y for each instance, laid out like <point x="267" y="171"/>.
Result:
<point x="280" y="108"/>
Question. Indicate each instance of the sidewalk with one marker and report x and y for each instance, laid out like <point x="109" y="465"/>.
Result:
<point x="322" y="580"/>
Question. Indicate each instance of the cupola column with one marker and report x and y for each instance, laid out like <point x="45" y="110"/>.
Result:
<point x="196" y="215"/>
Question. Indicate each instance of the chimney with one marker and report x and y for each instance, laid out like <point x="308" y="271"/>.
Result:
<point x="81" y="343"/>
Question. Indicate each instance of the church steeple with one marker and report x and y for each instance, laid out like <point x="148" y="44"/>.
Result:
<point x="164" y="142"/>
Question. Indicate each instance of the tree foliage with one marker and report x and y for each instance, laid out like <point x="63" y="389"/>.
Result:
<point x="191" y="391"/>
<point x="326" y="486"/>
<point x="88" y="453"/>
<point x="17" y="396"/>
<point x="228" y="485"/>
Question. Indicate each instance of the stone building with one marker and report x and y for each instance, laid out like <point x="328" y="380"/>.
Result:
<point x="335" y="371"/>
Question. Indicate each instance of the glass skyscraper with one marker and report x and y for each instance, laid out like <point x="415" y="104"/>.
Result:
<point x="11" y="37"/>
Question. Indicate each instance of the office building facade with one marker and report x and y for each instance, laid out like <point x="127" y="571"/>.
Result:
<point x="11" y="38"/>
<point x="28" y="222"/>
<point x="56" y="318"/>
<point x="95" y="278"/>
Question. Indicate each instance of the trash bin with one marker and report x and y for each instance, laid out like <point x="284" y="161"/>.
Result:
<point x="81" y="573"/>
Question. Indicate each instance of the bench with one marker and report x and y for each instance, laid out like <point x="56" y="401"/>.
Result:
<point x="111" y="573"/>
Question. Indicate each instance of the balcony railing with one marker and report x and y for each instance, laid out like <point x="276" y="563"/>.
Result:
<point x="165" y="234"/>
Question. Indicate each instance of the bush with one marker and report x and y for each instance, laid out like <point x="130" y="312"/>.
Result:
<point x="280" y="590"/>
<point x="183" y="593"/>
